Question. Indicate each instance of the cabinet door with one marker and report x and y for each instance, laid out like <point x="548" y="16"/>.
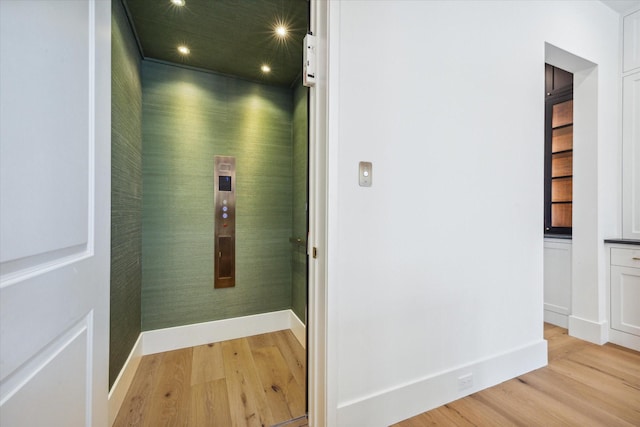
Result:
<point x="631" y="42"/>
<point x="557" y="277"/>
<point x="631" y="157"/>
<point x="625" y="295"/>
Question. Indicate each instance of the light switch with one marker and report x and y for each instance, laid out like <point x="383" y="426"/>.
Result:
<point x="365" y="174"/>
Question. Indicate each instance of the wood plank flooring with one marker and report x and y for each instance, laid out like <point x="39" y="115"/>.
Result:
<point x="583" y="385"/>
<point x="257" y="381"/>
<point x="260" y="381"/>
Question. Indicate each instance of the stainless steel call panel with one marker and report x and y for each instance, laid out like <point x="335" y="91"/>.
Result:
<point x="224" y="200"/>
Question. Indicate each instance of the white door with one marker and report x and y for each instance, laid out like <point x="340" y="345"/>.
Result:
<point x="55" y="157"/>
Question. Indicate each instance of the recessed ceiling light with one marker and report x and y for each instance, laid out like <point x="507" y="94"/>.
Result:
<point x="178" y="2"/>
<point x="184" y="50"/>
<point x="265" y="68"/>
<point x="281" y="31"/>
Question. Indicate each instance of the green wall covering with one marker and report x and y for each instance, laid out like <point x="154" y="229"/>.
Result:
<point x="126" y="191"/>
<point x="300" y="164"/>
<point x="188" y="118"/>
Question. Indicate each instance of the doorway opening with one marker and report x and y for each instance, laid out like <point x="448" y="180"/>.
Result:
<point x="214" y="79"/>
<point x="558" y="194"/>
<point x="571" y="259"/>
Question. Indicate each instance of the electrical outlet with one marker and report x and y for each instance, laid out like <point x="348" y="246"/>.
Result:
<point x="465" y="382"/>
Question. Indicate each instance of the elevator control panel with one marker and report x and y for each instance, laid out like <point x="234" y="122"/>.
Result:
<point x="224" y="201"/>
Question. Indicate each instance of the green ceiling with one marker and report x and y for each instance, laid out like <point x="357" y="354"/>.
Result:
<point x="233" y="37"/>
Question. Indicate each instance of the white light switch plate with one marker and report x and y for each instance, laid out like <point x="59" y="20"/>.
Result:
<point x="365" y="173"/>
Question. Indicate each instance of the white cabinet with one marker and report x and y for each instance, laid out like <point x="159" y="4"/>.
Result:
<point x="631" y="157"/>
<point x="623" y="266"/>
<point x="631" y="42"/>
<point x="625" y="296"/>
<point x="557" y="281"/>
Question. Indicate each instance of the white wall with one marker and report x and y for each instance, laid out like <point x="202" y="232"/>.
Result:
<point x="437" y="269"/>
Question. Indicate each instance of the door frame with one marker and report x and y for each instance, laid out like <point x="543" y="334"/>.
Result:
<point x="317" y="329"/>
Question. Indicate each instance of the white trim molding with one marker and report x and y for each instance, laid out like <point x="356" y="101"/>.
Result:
<point x="123" y="381"/>
<point x="298" y="329"/>
<point x="595" y="332"/>
<point x="160" y="340"/>
<point x="551" y="316"/>
<point x="625" y="340"/>
<point x="399" y="403"/>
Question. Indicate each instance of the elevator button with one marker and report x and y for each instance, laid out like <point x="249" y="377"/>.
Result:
<point x="225" y="216"/>
<point x="225" y="208"/>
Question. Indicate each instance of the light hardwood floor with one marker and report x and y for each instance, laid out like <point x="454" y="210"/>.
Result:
<point x="259" y="381"/>
<point x="255" y="381"/>
<point x="583" y="385"/>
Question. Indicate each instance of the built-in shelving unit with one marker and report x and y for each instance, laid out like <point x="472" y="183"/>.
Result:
<point x="558" y="151"/>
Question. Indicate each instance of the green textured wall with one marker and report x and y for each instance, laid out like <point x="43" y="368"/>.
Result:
<point x="188" y="118"/>
<point x="299" y="220"/>
<point x="126" y="191"/>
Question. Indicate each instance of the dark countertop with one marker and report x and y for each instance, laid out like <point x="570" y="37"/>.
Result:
<point x="623" y="241"/>
<point x="558" y="236"/>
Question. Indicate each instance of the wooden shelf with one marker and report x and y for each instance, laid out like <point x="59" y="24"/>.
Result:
<point x="558" y="151"/>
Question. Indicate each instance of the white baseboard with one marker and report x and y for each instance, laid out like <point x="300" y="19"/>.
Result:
<point x="298" y="329"/>
<point x="557" y="309"/>
<point x="160" y="340"/>
<point x="557" y="319"/>
<point x="123" y="382"/>
<point x="588" y="330"/>
<point x="624" y="339"/>
<point x="168" y="339"/>
<point x="405" y="401"/>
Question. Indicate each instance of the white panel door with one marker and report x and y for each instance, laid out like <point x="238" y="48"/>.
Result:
<point x="631" y="157"/>
<point x="55" y="159"/>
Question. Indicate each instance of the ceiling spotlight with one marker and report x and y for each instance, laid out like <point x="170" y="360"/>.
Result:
<point x="178" y="2"/>
<point x="281" y="31"/>
<point x="184" y="50"/>
<point x="265" y="68"/>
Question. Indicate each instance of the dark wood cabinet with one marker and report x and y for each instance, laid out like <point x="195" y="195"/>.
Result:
<point x="558" y="176"/>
